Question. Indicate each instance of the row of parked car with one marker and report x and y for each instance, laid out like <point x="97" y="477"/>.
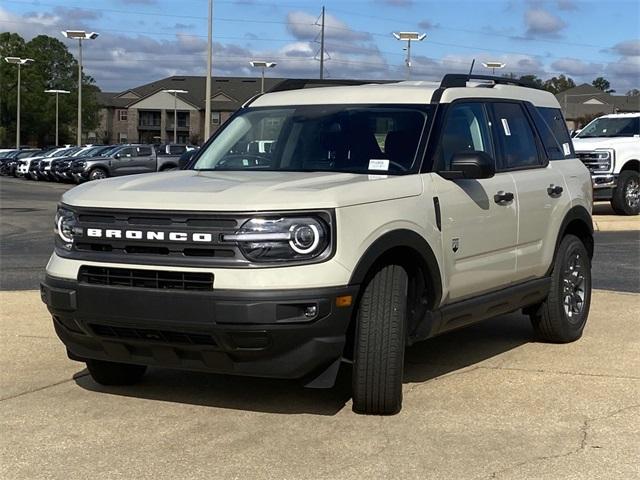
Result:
<point x="92" y="162"/>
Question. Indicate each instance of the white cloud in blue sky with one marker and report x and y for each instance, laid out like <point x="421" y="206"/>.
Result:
<point x="143" y="40"/>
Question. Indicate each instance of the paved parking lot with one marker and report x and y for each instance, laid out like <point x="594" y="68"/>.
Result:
<point x="484" y="402"/>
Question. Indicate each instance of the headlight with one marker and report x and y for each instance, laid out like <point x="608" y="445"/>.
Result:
<point x="282" y="238"/>
<point x="66" y="228"/>
<point x="604" y="160"/>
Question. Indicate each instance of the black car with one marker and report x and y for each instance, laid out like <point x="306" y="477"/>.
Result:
<point x="9" y="162"/>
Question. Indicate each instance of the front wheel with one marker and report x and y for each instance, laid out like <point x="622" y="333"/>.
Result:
<point x="380" y="343"/>
<point x="626" y="197"/>
<point x="111" y="373"/>
<point x="562" y="316"/>
<point x="97" y="174"/>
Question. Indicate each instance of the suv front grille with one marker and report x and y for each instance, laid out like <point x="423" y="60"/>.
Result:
<point x="154" y="279"/>
<point x="593" y="163"/>
<point x="153" y="335"/>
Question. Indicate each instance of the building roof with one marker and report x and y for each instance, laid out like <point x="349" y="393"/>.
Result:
<point x="110" y="99"/>
<point x="587" y="100"/>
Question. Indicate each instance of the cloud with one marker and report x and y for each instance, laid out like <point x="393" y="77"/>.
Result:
<point x="304" y="26"/>
<point x="577" y="68"/>
<point x="539" y="22"/>
<point x="567" y="5"/>
<point x="398" y="3"/>
<point x="184" y="26"/>
<point x="628" y="48"/>
<point x="427" y="25"/>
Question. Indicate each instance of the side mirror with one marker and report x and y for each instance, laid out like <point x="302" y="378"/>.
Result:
<point x="470" y="165"/>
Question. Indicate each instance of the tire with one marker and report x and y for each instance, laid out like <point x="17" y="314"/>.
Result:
<point x="111" y="373"/>
<point x="562" y="316"/>
<point x="170" y="168"/>
<point x="626" y="196"/>
<point x="97" y="174"/>
<point x="379" y="343"/>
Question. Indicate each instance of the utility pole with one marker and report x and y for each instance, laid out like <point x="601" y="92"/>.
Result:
<point x="207" y="100"/>
<point x="322" y="45"/>
<point x="19" y="62"/>
<point x="57" y="92"/>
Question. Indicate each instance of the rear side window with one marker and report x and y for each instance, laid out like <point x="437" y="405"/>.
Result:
<point x="177" y="149"/>
<point x="554" y="121"/>
<point x="144" y="151"/>
<point x="514" y="136"/>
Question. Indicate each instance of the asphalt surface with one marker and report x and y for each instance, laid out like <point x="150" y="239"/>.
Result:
<point x="485" y="402"/>
<point x="27" y="210"/>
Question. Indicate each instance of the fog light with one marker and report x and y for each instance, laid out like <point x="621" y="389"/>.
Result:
<point x="311" y="311"/>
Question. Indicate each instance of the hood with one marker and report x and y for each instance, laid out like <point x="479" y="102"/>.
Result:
<point x="588" y="144"/>
<point x="241" y="191"/>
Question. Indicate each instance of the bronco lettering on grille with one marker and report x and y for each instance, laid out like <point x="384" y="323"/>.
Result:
<point x="151" y="235"/>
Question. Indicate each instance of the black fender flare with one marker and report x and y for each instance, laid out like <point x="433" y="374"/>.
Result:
<point x="582" y="215"/>
<point x="402" y="238"/>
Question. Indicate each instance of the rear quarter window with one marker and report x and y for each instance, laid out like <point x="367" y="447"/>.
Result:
<point x="554" y="134"/>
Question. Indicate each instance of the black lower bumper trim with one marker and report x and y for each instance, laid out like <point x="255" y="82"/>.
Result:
<point x="279" y="334"/>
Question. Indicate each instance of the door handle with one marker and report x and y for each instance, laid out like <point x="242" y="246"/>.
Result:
<point x="554" y="190"/>
<point x="502" y="198"/>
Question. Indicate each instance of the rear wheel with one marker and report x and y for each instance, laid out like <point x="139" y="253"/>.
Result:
<point x="97" y="174"/>
<point x="561" y="318"/>
<point x="111" y="373"/>
<point x="626" y="197"/>
<point x="380" y="343"/>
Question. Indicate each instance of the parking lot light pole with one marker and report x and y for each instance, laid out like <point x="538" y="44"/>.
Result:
<point x="408" y="37"/>
<point x="80" y="35"/>
<point x="175" y="112"/>
<point x="57" y="92"/>
<point x="263" y="65"/>
<point x="18" y="61"/>
<point x="493" y="66"/>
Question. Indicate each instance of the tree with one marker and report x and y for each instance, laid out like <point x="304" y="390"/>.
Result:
<point x="603" y="84"/>
<point x="559" y="84"/>
<point x="11" y="45"/>
<point x="533" y="80"/>
<point x="634" y="92"/>
<point x="54" y="68"/>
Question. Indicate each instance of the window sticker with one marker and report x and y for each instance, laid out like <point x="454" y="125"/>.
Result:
<point x="567" y="149"/>
<point x="505" y="125"/>
<point x="378" y="164"/>
<point x="245" y="162"/>
<point x="378" y="177"/>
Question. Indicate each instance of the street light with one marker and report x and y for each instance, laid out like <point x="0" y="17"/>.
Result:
<point x="493" y="66"/>
<point x="175" y="112"/>
<point x="57" y="92"/>
<point x="80" y="35"/>
<point x="408" y="37"/>
<point x="263" y="65"/>
<point x="18" y="61"/>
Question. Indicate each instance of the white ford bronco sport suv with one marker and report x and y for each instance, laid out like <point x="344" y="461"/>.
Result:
<point x="381" y="215"/>
<point x="610" y="147"/>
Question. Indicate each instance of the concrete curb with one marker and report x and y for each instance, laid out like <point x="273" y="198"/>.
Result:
<point x="616" y="224"/>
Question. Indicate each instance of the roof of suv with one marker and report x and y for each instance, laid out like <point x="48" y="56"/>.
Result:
<point x="409" y="92"/>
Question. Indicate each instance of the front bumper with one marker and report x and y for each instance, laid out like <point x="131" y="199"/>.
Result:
<point x="246" y="332"/>
<point x="603" y="186"/>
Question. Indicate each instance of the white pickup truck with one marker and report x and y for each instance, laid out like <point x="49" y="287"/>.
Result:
<point x="610" y="147"/>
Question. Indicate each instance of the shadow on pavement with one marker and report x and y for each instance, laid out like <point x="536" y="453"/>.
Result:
<point x="424" y="361"/>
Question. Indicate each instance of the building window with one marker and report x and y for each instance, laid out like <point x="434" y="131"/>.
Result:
<point x="215" y="118"/>
<point x="122" y="138"/>
<point x="123" y="115"/>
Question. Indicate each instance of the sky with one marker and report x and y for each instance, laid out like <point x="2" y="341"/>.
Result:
<point x="144" y="40"/>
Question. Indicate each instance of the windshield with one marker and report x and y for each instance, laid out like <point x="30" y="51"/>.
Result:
<point x="335" y="138"/>
<point x="611" y="127"/>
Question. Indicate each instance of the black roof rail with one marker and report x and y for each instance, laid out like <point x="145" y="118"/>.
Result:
<point x="299" y="83"/>
<point x="451" y="80"/>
